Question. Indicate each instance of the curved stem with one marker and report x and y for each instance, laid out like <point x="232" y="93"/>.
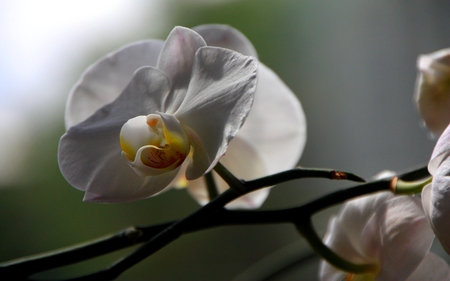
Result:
<point x="101" y="246"/>
<point x="235" y="184"/>
<point x="211" y="186"/>
<point x="306" y="230"/>
<point x="299" y="173"/>
<point x="409" y="188"/>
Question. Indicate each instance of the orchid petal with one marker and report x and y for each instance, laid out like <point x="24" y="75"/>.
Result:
<point x="225" y="36"/>
<point x="355" y="213"/>
<point x="432" y="268"/>
<point x="103" y="81"/>
<point x="280" y="137"/>
<point x="199" y="155"/>
<point x="236" y="161"/>
<point x="426" y="200"/>
<point x="441" y="151"/>
<point x="176" y="61"/>
<point x="218" y="101"/>
<point x="128" y="191"/>
<point x="337" y="239"/>
<point x="399" y="236"/>
<point x="90" y="154"/>
<point x="438" y="208"/>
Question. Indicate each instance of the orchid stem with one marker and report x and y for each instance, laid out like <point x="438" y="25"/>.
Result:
<point x="235" y="184"/>
<point x="211" y="186"/>
<point x="298" y="173"/>
<point x="306" y="230"/>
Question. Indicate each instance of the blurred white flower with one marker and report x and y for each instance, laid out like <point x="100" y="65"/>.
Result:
<point x="388" y="231"/>
<point x="188" y="107"/>
<point x="270" y="141"/>
<point x="432" y="92"/>
<point x="436" y="196"/>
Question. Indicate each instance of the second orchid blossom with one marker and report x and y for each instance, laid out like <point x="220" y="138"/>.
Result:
<point x="178" y="107"/>
<point x="436" y="196"/>
<point x="386" y="231"/>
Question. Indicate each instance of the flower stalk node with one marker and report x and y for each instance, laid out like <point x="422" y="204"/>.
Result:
<point x="400" y="187"/>
<point x="133" y="234"/>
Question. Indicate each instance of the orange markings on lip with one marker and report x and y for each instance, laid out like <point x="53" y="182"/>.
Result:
<point x="152" y="122"/>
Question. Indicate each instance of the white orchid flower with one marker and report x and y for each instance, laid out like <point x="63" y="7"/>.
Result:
<point x="390" y="232"/>
<point x="436" y="196"/>
<point x="195" y="105"/>
<point x="432" y="92"/>
<point x="173" y="103"/>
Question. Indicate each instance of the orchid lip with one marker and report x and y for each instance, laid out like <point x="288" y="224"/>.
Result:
<point x="153" y="144"/>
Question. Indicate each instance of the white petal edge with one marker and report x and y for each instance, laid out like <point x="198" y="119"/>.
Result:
<point x="276" y="125"/>
<point x="439" y="208"/>
<point x="441" y="151"/>
<point x="176" y="61"/>
<point x="104" y="80"/>
<point x="225" y="36"/>
<point x="218" y="100"/>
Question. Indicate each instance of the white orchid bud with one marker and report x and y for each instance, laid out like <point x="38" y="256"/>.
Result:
<point x="432" y="93"/>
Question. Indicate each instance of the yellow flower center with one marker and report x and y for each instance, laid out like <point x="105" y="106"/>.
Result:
<point x="152" y="145"/>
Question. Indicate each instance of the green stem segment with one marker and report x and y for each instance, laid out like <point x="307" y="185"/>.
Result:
<point x="400" y="187"/>
<point x="306" y="230"/>
<point x="211" y="186"/>
<point x="235" y="184"/>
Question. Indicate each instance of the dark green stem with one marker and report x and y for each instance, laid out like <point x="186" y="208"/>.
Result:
<point x="299" y="173"/>
<point x="211" y="186"/>
<point x="236" y="184"/>
<point x="306" y="230"/>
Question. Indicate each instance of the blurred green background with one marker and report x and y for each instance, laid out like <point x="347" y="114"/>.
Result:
<point x="352" y="65"/>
